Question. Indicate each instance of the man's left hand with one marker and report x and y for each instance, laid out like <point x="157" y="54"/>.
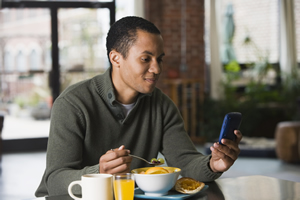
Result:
<point x="223" y="156"/>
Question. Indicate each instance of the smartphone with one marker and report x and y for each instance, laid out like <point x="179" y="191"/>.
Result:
<point x="231" y="122"/>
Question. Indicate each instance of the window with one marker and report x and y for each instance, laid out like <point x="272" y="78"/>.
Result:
<point x="21" y="62"/>
<point x="30" y="59"/>
<point x="34" y="60"/>
<point x="255" y="37"/>
<point x="81" y="28"/>
<point x="8" y="62"/>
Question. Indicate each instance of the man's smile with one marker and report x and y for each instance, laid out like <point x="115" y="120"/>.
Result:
<point x="151" y="80"/>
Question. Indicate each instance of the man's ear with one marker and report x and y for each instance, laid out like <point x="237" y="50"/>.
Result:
<point x="115" y="58"/>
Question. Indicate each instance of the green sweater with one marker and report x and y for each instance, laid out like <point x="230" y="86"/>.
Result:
<point x="86" y="122"/>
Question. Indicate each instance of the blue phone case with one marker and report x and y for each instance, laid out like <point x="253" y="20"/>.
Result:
<point x="231" y="122"/>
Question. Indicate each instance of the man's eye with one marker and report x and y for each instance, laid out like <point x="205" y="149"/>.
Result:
<point x="159" y="60"/>
<point x="145" y="59"/>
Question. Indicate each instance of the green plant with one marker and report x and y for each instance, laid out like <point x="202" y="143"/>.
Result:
<point x="261" y="105"/>
<point x="20" y="101"/>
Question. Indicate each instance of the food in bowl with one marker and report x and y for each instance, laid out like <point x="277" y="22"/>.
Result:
<point x="157" y="183"/>
<point x="155" y="170"/>
<point x="188" y="185"/>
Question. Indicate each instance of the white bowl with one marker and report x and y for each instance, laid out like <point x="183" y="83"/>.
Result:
<point x="156" y="184"/>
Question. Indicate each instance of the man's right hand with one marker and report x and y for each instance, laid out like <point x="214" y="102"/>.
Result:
<point x="115" y="161"/>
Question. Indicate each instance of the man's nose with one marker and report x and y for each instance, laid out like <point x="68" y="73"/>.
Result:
<point x="155" y="68"/>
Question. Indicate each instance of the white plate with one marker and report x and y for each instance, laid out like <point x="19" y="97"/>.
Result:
<point x="138" y="193"/>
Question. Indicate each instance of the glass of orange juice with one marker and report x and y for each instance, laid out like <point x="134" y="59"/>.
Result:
<point x="124" y="186"/>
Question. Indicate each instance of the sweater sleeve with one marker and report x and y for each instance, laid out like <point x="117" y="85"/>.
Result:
<point x="178" y="148"/>
<point x="64" y="151"/>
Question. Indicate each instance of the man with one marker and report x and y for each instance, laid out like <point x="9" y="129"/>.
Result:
<point x="96" y="123"/>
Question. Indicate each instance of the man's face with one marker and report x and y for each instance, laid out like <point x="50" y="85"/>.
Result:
<point x="140" y="71"/>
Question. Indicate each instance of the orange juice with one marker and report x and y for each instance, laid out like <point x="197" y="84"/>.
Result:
<point x="124" y="189"/>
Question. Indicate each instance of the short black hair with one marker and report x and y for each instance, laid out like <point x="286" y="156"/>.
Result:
<point x="123" y="34"/>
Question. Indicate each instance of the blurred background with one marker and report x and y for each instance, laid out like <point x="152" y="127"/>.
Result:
<point x="221" y="56"/>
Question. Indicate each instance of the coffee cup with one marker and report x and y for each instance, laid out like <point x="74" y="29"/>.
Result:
<point x="94" y="187"/>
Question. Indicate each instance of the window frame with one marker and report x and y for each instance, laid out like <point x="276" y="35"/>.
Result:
<point x="54" y="6"/>
<point x="37" y="144"/>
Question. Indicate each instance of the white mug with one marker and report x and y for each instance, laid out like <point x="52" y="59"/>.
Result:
<point x="94" y="187"/>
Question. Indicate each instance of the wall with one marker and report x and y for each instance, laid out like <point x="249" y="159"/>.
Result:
<point x="167" y="16"/>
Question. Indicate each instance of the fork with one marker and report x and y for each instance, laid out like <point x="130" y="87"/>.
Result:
<point x="150" y="163"/>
